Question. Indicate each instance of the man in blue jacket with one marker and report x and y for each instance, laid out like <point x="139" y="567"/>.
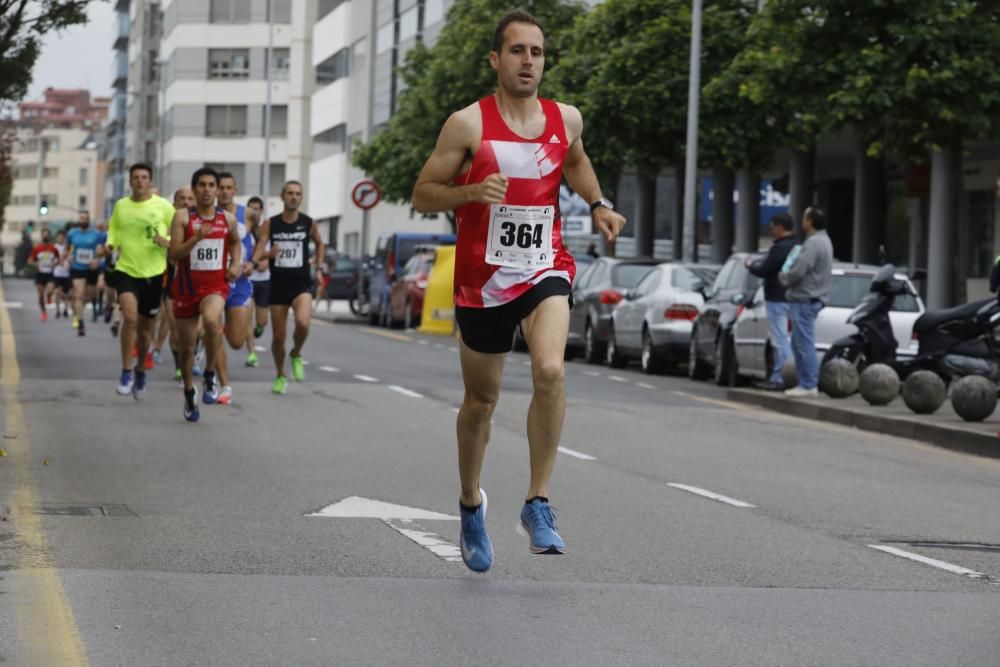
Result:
<point x="775" y="301"/>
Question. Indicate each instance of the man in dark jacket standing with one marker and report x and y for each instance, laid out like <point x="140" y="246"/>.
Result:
<point x="768" y="268"/>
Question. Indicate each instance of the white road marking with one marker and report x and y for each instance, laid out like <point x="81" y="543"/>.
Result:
<point x="405" y="392"/>
<point x="305" y="363"/>
<point x="644" y="385"/>
<point x="260" y="348"/>
<point x="439" y="346"/>
<point x="710" y="494"/>
<point x="527" y="363"/>
<point x="933" y="562"/>
<point x="617" y="378"/>
<point x="437" y="545"/>
<point x="453" y="349"/>
<point x="365" y="378"/>
<point x="422" y="342"/>
<point x="577" y="455"/>
<point x="356" y="507"/>
<point x="329" y="369"/>
<point x="593" y="374"/>
<point x="13" y="305"/>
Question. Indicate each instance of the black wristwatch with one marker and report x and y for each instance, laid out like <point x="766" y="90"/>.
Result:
<point x="255" y="264"/>
<point x="606" y="203"/>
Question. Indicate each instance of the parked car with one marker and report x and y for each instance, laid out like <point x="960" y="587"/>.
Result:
<point x="752" y="351"/>
<point x="596" y="291"/>
<point x="653" y="323"/>
<point x="392" y="252"/>
<point x="406" y="296"/>
<point x="343" y="276"/>
<point x="711" y="336"/>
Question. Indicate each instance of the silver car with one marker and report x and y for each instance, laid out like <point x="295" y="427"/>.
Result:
<point x="851" y="282"/>
<point x="653" y="322"/>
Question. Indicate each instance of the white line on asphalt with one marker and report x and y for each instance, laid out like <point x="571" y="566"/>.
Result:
<point x="439" y="346"/>
<point x="435" y="544"/>
<point x="593" y="374"/>
<point x="422" y="342"/>
<point x="305" y="362"/>
<point x="365" y="378"/>
<point x="577" y="455"/>
<point x="710" y="494"/>
<point x="260" y="348"/>
<point x="329" y="369"/>
<point x="644" y="385"/>
<point x="13" y="305"/>
<point x="527" y="363"/>
<point x="453" y="349"/>
<point x="617" y="378"/>
<point x="405" y="392"/>
<point x="933" y="562"/>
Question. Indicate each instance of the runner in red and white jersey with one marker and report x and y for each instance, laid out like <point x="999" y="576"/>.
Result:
<point x="205" y="247"/>
<point x="499" y="163"/>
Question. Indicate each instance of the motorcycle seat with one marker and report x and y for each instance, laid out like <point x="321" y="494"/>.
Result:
<point x="933" y="318"/>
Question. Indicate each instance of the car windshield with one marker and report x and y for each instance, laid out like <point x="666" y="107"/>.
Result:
<point x="691" y="277"/>
<point x="629" y="275"/>
<point x="849" y="289"/>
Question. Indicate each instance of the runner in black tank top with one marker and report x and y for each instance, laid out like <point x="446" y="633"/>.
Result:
<point x="289" y="260"/>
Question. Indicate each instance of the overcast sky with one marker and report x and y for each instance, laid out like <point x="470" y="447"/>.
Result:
<point x="79" y="57"/>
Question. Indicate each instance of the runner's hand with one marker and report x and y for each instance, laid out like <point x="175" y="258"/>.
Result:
<point x="94" y="264"/>
<point x="233" y="274"/>
<point x="247" y="268"/>
<point x="491" y="190"/>
<point x="161" y="241"/>
<point x="608" y="222"/>
<point x="263" y="264"/>
<point x="273" y="252"/>
<point x="203" y="229"/>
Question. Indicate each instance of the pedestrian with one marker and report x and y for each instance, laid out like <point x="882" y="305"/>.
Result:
<point x="808" y="280"/>
<point x="511" y="267"/>
<point x="775" y="300"/>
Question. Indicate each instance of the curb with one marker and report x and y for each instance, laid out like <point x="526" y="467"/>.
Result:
<point x="948" y="437"/>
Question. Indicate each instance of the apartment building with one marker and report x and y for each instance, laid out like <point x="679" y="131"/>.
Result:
<point x="214" y="81"/>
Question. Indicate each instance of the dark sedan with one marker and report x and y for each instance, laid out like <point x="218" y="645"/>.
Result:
<point x="596" y="292"/>
<point x="712" y="336"/>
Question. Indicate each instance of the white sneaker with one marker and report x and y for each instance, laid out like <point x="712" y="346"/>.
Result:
<point x="802" y="392"/>
<point x="225" y="396"/>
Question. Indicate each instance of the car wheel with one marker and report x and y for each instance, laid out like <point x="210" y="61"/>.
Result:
<point x="697" y="368"/>
<point x="652" y="363"/>
<point x="725" y="361"/>
<point x="613" y="357"/>
<point x="593" y="350"/>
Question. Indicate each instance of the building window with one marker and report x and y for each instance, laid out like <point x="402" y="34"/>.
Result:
<point x="277" y="174"/>
<point x="226" y="121"/>
<point x="330" y="142"/>
<point x="154" y="66"/>
<point x="228" y="63"/>
<point x="150" y="152"/>
<point x="238" y="170"/>
<point x="408" y="24"/>
<point x="82" y="203"/>
<point x="229" y="11"/>
<point x="352" y="243"/>
<point x="25" y="171"/>
<point x="279" y="121"/>
<point x="335" y="67"/>
<point x="359" y="51"/>
<point x="281" y="11"/>
<point x="327" y="6"/>
<point x="84" y="175"/>
<point x="433" y="12"/>
<point x="281" y="64"/>
<point x="384" y="38"/>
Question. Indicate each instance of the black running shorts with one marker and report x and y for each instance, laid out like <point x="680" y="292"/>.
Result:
<point x="284" y="294"/>
<point x="148" y="292"/>
<point x="90" y="275"/>
<point x="261" y="293"/>
<point x="44" y="278"/>
<point x="491" y="330"/>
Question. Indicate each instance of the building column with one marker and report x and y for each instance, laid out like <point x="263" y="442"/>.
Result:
<point x="677" y="230"/>
<point x="722" y="214"/>
<point x="801" y="185"/>
<point x="941" y="233"/>
<point x="868" y="206"/>
<point x="748" y="211"/>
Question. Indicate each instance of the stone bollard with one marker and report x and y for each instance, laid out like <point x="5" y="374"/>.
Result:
<point x="973" y="397"/>
<point x="924" y="392"/>
<point x="788" y="373"/>
<point x="838" y="378"/>
<point x="879" y="384"/>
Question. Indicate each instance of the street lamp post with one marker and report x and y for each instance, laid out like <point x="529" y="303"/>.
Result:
<point x="691" y="162"/>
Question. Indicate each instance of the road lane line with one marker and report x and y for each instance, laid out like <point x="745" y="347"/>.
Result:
<point x="593" y="374"/>
<point x="260" y="348"/>
<point x="404" y="391"/>
<point x="577" y="455"/>
<point x="365" y="378"/>
<point x="710" y="494"/>
<point x="933" y="562"/>
<point x="453" y="349"/>
<point x="13" y="305"/>
<point x="436" y="544"/>
<point x="387" y="334"/>
<point x="644" y="385"/>
<point x="527" y="363"/>
<point x="45" y="624"/>
<point x="617" y="378"/>
<point x="422" y="342"/>
<point x="329" y="369"/>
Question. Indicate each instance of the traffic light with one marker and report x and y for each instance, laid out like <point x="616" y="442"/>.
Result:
<point x="43" y="208"/>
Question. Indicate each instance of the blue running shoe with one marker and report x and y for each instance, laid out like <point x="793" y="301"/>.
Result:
<point x="196" y="370"/>
<point x="125" y="384"/>
<point x="191" y="412"/>
<point x="477" y="550"/>
<point x="538" y="519"/>
<point x="139" y="386"/>
<point x="211" y="391"/>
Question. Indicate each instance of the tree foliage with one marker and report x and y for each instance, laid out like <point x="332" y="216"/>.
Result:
<point x="23" y="24"/>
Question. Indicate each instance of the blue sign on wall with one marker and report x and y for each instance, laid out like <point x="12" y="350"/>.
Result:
<point x="772" y="202"/>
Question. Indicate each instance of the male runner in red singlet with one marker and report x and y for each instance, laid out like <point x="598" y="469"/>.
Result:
<point x="205" y="248"/>
<point x="499" y="163"/>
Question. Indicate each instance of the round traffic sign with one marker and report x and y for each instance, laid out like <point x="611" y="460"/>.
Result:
<point x="366" y="194"/>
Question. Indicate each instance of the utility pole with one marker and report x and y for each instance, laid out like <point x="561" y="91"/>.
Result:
<point x="690" y="250"/>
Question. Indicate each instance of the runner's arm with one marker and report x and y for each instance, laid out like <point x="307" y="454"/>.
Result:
<point x="179" y="248"/>
<point x="320" y="246"/>
<point x="265" y="233"/>
<point x="235" y="248"/>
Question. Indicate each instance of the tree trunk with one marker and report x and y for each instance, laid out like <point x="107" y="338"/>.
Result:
<point x="645" y="217"/>
<point x="801" y="185"/>
<point x="748" y="211"/>
<point x="722" y="214"/>
<point x="941" y="234"/>
<point x="677" y="230"/>
<point x="868" y="206"/>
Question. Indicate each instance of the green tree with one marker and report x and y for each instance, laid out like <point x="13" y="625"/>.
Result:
<point x="23" y="24"/>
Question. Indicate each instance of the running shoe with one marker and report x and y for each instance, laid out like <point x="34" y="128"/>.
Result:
<point x="114" y="330"/>
<point x="252" y="360"/>
<point x="298" y="369"/>
<point x="108" y="314"/>
<point x="225" y="396"/>
<point x="211" y="391"/>
<point x="477" y="549"/>
<point x="196" y="370"/>
<point x="538" y="519"/>
<point x="258" y="331"/>
<point x="156" y="356"/>
<point x="125" y="383"/>
<point x="191" y="412"/>
<point x="76" y="322"/>
<point x="139" y="386"/>
<point x="280" y="385"/>
<point x="58" y="313"/>
<point x="150" y="361"/>
<point x="94" y="318"/>
<point x="178" y="375"/>
<point x="45" y="316"/>
<point x="81" y="331"/>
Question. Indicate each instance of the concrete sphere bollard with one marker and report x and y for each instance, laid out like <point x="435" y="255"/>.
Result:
<point x="924" y="392"/>
<point x="879" y="384"/>
<point x="973" y="397"/>
<point x="788" y="373"/>
<point x="838" y="378"/>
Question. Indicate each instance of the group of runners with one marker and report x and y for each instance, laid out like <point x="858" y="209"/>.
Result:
<point x="197" y="274"/>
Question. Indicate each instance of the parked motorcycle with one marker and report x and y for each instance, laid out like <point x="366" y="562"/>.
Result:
<point x="956" y="342"/>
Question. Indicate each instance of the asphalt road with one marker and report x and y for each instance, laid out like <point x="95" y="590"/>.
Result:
<point x="129" y="537"/>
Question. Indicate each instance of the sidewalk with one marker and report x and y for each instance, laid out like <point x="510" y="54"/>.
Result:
<point x="944" y="428"/>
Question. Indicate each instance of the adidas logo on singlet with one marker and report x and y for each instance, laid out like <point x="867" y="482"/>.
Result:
<point x="554" y="139"/>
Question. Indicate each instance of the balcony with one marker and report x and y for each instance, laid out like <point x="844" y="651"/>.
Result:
<point x="119" y="69"/>
<point x="121" y="30"/>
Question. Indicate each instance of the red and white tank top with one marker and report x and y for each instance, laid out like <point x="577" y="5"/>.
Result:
<point x="505" y="249"/>
<point x="204" y="270"/>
